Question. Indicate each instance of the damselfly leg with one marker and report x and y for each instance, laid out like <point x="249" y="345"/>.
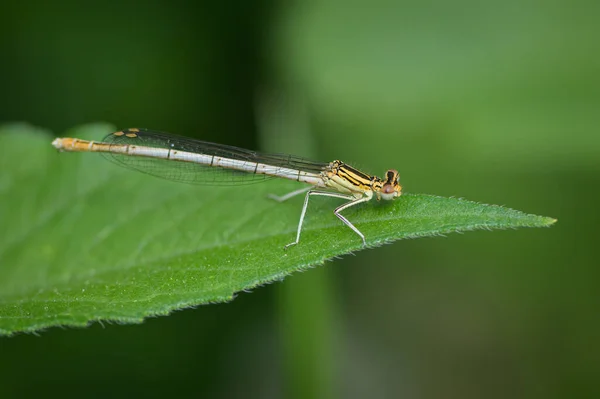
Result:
<point x="353" y="201"/>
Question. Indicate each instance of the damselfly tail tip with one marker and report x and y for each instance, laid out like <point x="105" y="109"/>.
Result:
<point x="58" y="143"/>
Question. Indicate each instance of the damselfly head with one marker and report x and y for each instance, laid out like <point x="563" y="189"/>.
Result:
<point x="390" y="188"/>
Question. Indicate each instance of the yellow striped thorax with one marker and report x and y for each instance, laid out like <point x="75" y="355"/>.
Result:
<point x="345" y="178"/>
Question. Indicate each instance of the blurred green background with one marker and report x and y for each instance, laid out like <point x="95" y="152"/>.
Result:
<point x="494" y="102"/>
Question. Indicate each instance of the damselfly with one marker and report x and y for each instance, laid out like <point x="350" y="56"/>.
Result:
<point x="193" y="161"/>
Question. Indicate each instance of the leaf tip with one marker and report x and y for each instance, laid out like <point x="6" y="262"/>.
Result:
<point x="549" y="221"/>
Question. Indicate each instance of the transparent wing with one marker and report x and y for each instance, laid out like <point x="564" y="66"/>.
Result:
<point x="193" y="173"/>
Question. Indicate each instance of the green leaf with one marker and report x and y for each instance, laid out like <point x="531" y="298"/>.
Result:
<point x="83" y="240"/>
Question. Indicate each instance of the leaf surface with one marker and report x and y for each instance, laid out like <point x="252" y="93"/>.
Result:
<point x="83" y="240"/>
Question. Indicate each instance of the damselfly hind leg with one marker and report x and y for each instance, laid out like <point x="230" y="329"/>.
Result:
<point x="353" y="201"/>
<point x="288" y="195"/>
